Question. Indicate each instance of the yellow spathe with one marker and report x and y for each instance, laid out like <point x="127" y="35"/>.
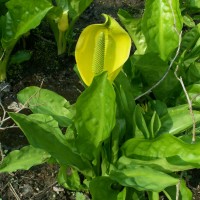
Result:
<point x="102" y="47"/>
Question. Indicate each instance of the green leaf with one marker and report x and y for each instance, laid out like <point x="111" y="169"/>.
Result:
<point x="22" y="16"/>
<point x="158" y="22"/>
<point x="188" y="21"/>
<point x="125" y="101"/>
<point x="47" y="102"/>
<point x="152" y="69"/>
<point x="23" y="159"/>
<point x="69" y="178"/>
<point x="76" y="7"/>
<point x="95" y="116"/>
<point x="195" y="3"/>
<point x="142" y="178"/>
<point x="178" y="119"/>
<point x="190" y="38"/>
<point x="193" y="73"/>
<point x="166" y="146"/>
<point x="49" y="137"/>
<point x="185" y="193"/>
<point x="140" y="122"/>
<point x="153" y="195"/>
<point x="155" y="124"/>
<point x="104" y="188"/>
<point x="133" y="26"/>
<point x="20" y="57"/>
<point x="193" y="93"/>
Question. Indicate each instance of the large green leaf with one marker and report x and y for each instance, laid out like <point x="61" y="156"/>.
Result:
<point x="104" y="188"/>
<point x="161" y="25"/>
<point x="76" y="7"/>
<point x="178" y="119"/>
<point x="22" y="16"/>
<point x="133" y="26"/>
<point x="95" y="116"/>
<point x="47" y="102"/>
<point x="166" y="146"/>
<point x="49" y="137"/>
<point x="142" y="178"/>
<point x="24" y="159"/>
<point x="152" y="69"/>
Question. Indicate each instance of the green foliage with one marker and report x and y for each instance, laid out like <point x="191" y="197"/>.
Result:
<point x="24" y="158"/>
<point x="114" y="146"/>
<point x="21" y="17"/>
<point x="62" y="18"/>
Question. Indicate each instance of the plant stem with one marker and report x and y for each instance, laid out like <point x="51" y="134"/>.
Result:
<point x="61" y="43"/>
<point x="4" y="62"/>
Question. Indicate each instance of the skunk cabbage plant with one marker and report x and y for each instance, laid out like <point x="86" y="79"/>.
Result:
<point x="62" y="18"/>
<point x="102" y="47"/>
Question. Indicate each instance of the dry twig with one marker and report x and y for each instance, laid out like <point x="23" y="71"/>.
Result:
<point x="14" y="192"/>
<point x="189" y="105"/>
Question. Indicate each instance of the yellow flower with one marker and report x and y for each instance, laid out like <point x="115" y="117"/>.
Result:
<point x="102" y="47"/>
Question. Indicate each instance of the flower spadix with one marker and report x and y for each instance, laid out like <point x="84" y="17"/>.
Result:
<point x="102" y="47"/>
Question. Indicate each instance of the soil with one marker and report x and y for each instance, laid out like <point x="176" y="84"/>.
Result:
<point x="48" y="70"/>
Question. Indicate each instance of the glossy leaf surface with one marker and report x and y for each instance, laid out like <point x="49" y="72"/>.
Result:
<point x="22" y="16"/>
<point x="104" y="188"/>
<point x="95" y="116"/>
<point x="23" y="159"/>
<point x="49" y="137"/>
<point x="178" y="119"/>
<point x="161" y="25"/>
<point x="142" y="178"/>
<point x="166" y="146"/>
<point x="47" y="102"/>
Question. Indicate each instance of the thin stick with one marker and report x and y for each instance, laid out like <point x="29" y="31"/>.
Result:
<point x="1" y="154"/>
<point x="178" y="185"/>
<point x="189" y="105"/>
<point x="14" y="192"/>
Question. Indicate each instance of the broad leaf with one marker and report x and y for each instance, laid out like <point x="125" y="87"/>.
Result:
<point x="142" y="178"/>
<point x="47" y="102"/>
<point x="23" y="159"/>
<point x="161" y="25"/>
<point x="104" y="188"/>
<point x="167" y="146"/>
<point x="43" y="135"/>
<point x="76" y="7"/>
<point x="22" y="16"/>
<point x="95" y="116"/>
<point x="178" y="119"/>
<point x="152" y="69"/>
